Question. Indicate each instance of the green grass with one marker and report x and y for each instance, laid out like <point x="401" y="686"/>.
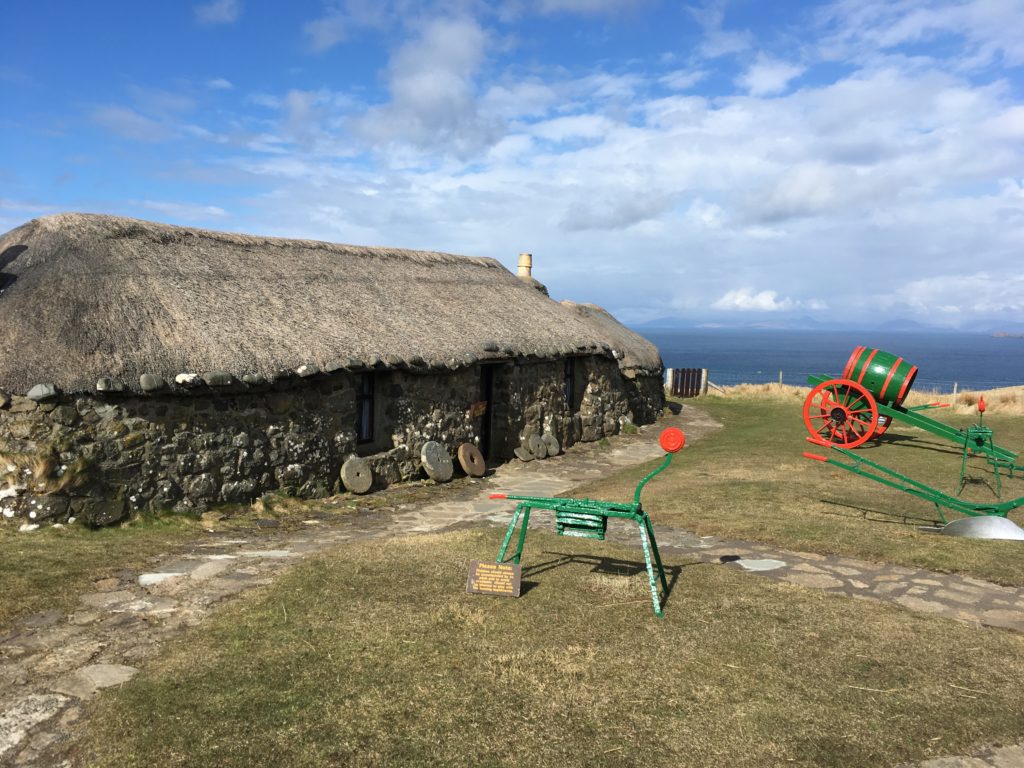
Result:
<point x="375" y="655"/>
<point x="48" y="569"/>
<point x="749" y="481"/>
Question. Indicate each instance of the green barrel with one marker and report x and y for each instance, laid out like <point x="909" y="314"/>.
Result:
<point x="886" y="376"/>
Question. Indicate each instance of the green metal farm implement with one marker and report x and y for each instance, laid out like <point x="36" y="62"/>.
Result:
<point x="844" y="413"/>
<point x="587" y="518"/>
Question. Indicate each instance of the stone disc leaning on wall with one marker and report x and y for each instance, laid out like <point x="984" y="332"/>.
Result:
<point x="436" y="461"/>
<point x="551" y="443"/>
<point x="536" y="446"/>
<point x="356" y="475"/>
<point x="471" y="460"/>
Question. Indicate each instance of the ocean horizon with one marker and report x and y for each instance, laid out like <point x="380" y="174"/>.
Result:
<point x="755" y="356"/>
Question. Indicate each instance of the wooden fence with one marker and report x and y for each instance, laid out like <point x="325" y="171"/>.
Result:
<point x="686" y="382"/>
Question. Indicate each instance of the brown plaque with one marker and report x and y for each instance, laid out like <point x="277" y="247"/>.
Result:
<point x="494" y="578"/>
<point x="478" y="409"/>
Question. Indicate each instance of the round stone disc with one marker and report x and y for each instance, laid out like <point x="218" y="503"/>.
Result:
<point x="535" y="446"/>
<point x="356" y="475"/>
<point x="551" y="443"/>
<point x="523" y="455"/>
<point x="471" y="460"/>
<point x="542" y="453"/>
<point x="436" y="461"/>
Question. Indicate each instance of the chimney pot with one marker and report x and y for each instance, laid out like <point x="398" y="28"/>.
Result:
<point x="525" y="265"/>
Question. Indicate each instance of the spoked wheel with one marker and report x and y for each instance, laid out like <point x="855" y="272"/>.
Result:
<point x="841" y="412"/>
<point x="884" y="422"/>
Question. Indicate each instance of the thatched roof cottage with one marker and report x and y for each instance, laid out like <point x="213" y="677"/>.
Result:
<point x="182" y="367"/>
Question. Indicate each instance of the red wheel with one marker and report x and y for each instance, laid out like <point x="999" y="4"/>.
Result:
<point x="884" y="422"/>
<point x="840" y="412"/>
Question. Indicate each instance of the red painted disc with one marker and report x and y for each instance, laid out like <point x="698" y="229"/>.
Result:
<point x="672" y="439"/>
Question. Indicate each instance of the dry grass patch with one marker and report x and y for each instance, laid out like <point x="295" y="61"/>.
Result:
<point x="375" y="655"/>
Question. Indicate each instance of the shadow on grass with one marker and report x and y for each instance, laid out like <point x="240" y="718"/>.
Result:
<point x="609" y="566"/>
<point x="878" y="516"/>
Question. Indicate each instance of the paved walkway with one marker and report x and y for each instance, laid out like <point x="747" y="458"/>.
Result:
<point x="51" y="663"/>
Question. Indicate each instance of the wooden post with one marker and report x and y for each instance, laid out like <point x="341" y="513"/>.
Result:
<point x="703" y="381"/>
<point x="780" y="378"/>
<point x="954" y="393"/>
<point x="668" y="382"/>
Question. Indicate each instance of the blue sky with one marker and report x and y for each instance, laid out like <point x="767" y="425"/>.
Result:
<point x="726" y="162"/>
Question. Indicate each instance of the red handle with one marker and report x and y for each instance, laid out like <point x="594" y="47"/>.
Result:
<point x="498" y="496"/>
<point x="814" y="456"/>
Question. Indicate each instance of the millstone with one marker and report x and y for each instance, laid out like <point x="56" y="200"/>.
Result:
<point x="356" y="475"/>
<point x="551" y="443"/>
<point x="542" y="448"/>
<point x="523" y="455"/>
<point x="471" y="460"/>
<point x="436" y="461"/>
<point x="535" y="445"/>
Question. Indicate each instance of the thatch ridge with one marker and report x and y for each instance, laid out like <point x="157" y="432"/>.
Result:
<point x="86" y="296"/>
<point x="631" y="349"/>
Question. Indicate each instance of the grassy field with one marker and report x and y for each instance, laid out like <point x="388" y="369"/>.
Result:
<point x="749" y="481"/>
<point x="375" y="655"/>
<point x="50" y="568"/>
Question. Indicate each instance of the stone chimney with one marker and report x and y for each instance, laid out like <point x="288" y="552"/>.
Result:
<point x="525" y="265"/>
<point x="525" y="273"/>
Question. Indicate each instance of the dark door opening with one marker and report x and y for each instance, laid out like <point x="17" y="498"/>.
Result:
<point x="486" y="420"/>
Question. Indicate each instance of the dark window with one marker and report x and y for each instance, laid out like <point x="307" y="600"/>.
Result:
<point x="570" y="383"/>
<point x="364" y="409"/>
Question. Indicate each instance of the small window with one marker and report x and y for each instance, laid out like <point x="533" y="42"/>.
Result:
<point x="364" y="409"/>
<point x="569" y="387"/>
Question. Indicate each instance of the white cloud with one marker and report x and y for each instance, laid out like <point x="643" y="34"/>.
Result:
<point x="650" y="200"/>
<point x="953" y="295"/>
<point x="1007" y="125"/>
<point x="219" y="84"/>
<point x="768" y="76"/>
<point x="717" y="41"/>
<point x="129" y="124"/>
<point x="433" y="97"/>
<point x="988" y="29"/>
<point x="588" y="6"/>
<point x="219" y="12"/>
<point x="745" y="300"/>
<point x="683" y="79"/>
<point x="183" y="211"/>
<point x="705" y="214"/>
<point x="326" y="32"/>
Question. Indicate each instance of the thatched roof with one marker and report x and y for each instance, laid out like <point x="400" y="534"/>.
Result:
<point x="631" y="349"/>
<point x="85" y="296"/>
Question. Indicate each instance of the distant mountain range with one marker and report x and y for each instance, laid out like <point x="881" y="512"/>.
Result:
<point x="806" y="323"/>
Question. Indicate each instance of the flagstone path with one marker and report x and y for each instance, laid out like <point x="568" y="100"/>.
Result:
<point x="52" y="663"/>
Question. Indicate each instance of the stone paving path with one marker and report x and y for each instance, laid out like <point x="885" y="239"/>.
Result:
<point x="52" y="663"/>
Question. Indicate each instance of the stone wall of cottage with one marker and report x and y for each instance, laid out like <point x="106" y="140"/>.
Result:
<point x="103" y="457"/>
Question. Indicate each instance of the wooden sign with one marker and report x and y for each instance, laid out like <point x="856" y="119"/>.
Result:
<point x="478" y="409"/>
<point x="494" y="579"/>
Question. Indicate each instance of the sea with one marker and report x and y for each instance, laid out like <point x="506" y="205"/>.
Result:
<point x="944" y="360"/>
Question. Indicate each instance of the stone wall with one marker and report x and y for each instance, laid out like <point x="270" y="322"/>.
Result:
<point x="102" y="457"/>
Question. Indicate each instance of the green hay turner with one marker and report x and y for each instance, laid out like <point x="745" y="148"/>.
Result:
<point x="588" y="519"/>
<point x="844" y="413"/>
